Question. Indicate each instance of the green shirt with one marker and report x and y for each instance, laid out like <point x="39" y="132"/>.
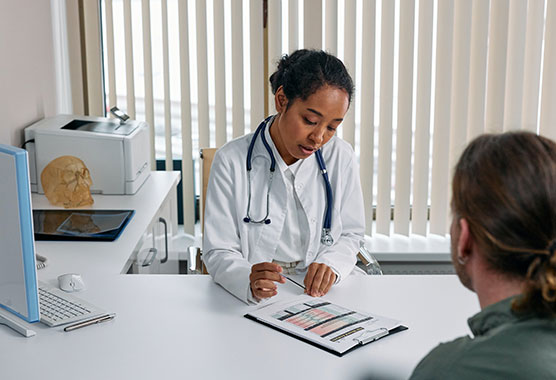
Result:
<point x="506" y="346"/>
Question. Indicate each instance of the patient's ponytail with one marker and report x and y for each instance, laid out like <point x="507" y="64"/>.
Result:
<point x="540" y="287"/>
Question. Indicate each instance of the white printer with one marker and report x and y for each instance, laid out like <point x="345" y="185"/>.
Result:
<point x="116" y="153"/>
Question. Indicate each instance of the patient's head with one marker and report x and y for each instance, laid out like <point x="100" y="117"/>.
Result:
<point x="504" y="186"/>
<point x="66" y="182"/>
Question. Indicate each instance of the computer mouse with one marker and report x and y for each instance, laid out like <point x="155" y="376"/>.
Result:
<point x="71" y="282"/>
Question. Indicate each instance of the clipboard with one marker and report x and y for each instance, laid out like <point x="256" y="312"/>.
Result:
<point x="325" y="325"/>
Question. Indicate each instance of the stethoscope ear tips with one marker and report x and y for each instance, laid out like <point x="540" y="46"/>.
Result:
<point x="246" y="220"/>
<point x="267" y="221"/>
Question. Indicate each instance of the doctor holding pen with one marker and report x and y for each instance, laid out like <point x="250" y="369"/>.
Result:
<point x="287" y="198"/>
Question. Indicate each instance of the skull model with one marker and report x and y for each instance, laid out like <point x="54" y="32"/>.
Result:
<point x="66" y="182"/>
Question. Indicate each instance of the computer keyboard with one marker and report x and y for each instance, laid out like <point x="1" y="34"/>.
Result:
<point x="58" y="308"/>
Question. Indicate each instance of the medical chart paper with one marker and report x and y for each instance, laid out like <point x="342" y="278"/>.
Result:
<point x="331" y="327"/>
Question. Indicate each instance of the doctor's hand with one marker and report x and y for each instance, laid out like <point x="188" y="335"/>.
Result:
<point x="262" y="279"/>
<point x="319" y="279"/>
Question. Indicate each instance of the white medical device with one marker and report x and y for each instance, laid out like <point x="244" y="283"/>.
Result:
<point x="116" y="153"/>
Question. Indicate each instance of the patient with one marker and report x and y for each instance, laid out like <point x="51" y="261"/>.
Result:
<point x="504" y="249"/>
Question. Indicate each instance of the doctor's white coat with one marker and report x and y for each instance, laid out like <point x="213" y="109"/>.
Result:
<point x="231" y="246"/>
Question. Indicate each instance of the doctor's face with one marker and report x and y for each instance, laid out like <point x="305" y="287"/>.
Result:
<point x="304" y="127"/>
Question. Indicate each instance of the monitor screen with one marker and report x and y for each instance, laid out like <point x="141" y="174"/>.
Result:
<point x="18" y="276"/>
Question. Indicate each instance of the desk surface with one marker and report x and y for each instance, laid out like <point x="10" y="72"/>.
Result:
<point x="189" y="327"/>
<point x="171" y="326"/>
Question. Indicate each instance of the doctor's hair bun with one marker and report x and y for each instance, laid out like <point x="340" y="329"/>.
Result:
<point x="304" y="71"/>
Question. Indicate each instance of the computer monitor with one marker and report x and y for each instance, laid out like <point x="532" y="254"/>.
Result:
<point x="18" y="274"/>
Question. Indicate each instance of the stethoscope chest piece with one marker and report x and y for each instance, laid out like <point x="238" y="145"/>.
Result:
<point x="326" y="238"/>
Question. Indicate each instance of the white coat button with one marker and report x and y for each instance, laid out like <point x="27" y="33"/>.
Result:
<point x="299" y="186"/>
<point x="313" y="220"/>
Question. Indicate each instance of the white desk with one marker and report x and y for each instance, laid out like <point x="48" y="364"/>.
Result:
<point x="173" y="326"/>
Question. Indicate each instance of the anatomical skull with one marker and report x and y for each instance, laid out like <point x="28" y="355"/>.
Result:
<point x="66" y="182"/>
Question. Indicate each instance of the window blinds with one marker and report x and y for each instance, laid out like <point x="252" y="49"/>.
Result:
<point x="430" y="75"/>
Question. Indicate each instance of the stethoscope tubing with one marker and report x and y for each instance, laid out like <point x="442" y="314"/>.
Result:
<point x="328" y="215"/>
<point x="326" y="237"/>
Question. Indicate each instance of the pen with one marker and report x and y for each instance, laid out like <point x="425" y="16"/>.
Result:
<point x="295" y="282"/>
<point x="88" y="322"/>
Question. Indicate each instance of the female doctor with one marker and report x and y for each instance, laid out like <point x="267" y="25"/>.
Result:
<point x="288" y="196"/>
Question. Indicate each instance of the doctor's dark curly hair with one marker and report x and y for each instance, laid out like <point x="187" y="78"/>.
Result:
<point x="304" y="71"/>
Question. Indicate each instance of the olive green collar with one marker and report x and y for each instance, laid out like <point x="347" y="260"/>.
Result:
<point x="493" y="316"/>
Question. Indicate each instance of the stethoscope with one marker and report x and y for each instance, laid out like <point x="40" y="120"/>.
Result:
<point x="326" y="238"/>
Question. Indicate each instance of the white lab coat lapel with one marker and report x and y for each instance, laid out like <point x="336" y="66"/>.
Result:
<point x="264" y="237"/>
<point x="311" y="197"/>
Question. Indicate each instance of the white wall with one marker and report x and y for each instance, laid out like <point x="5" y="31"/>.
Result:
<point x="27" y="76"/>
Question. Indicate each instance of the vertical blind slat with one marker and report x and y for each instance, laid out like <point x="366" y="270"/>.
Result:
<point x="110" y="54"/>
<point x="293" y="25"/>
<point x="187" y="146"/>
<point x="202" y="74"/>
<point x="460" y="86"/>
<point x="92" y="75"/>
<point x="219" y="74"/>
<point x="238" y="112"/>
<point x="422" y="120"/>
<point x="256" y="62"/>
<point x="460" y="77"/>
<point x="548" y="110"/>
<point x="477" y="69"/>
<point x="331" y="23"/>
<point x="441" y="137"/>
<point x="404" y="128"/>
<point x="384" y="180"/>
<point x="350" y="36"/>
<point x="274" y="44"/>
<point x="496" y="65"/>
<point x="312" y="24"/>
<point x="367" y="130"/>
<point x="129" y="75"/>
<point x="532" y="65"/>
<point x="166" y="78"/>
<point x="148" y="77"/>
<point x="515" y="61"/>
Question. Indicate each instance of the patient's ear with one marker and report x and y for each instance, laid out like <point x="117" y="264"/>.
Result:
<point x="465" y="240"/>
